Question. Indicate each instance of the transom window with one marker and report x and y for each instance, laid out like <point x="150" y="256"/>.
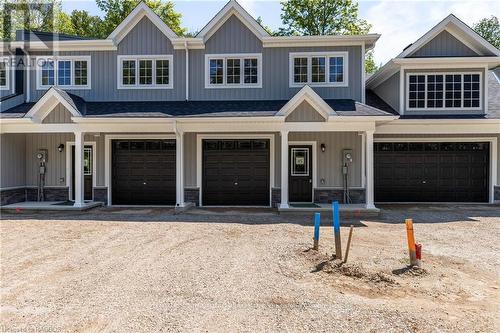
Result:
<point x="145" y="72"/>
<point x="233" y="71"/>
<point x="445" y="91"/>
<point x="71" y="72"/>
<point x="318" y="69"/>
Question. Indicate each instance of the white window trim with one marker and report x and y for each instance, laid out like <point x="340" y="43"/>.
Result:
<point x="137" y="58"/>
<point x="8" y="73"/>
<point x="56" y="59"/>
<point x="309" y="55"/>
<point x="444" y="108"/>
<point x="242" y="57"/>
<point x="292" y="162"/>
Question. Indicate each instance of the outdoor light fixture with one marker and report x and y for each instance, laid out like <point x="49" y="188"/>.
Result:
<point x="60" y="147"/>
<point x="323" y="147"/>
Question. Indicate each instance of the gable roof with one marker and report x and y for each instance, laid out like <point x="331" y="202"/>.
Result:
<point x="140" y="11"/>
<point x="459" y="30"/>
<point x="310" y="96"/>
<point x="232" y="8"/>
<point x="41" y="109"/>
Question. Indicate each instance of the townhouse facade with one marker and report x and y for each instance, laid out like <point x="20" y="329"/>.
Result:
<point x="236" y="117"/>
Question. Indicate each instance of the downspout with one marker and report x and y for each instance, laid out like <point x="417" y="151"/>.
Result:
<point x="187" y="70"/>
<point x="27" y="69"/>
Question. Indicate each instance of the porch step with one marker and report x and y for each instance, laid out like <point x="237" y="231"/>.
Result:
<point x="346" y="211"/>
<point x="30" y="206"/>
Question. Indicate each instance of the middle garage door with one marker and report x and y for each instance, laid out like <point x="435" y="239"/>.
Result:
<point x="236" y="172"/>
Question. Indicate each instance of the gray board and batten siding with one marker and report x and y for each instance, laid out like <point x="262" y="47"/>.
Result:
<point x="444" y="45"/>
<point x="232" y="37"/>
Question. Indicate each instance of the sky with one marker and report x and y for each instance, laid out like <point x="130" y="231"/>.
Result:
<point x="400" y="22"/>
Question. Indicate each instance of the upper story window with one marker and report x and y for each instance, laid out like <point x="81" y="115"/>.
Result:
<point x="233" y="70"/>
<point x="443" y="91"/>
<point x="145" y="72"/>
<point x="318" y="69"/>
<point x="4" y="73"/>
<point x="71" y="72"/>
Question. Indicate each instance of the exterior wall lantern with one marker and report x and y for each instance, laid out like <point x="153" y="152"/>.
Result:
<point x="60" y="147"/>
<point x="323" y="147"/>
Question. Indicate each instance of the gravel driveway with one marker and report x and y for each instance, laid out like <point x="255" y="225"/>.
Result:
<point x="140" y="270"/>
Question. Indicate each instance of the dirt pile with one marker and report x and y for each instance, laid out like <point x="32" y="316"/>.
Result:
<point x="334" y="266"/>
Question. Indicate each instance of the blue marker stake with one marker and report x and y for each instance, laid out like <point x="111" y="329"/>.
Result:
<point x="317" y="222"/>
<point x="336" y="229"/>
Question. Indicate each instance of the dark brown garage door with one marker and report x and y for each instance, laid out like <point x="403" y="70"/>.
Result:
<point x="236" y="172"/>
<point x="431" y="172"/>
<point x="143" y="172"/>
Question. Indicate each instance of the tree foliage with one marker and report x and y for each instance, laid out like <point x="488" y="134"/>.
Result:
<point x="322" y="17"/>
<point x="115" y="11"/>
<point x="489" y="29"/>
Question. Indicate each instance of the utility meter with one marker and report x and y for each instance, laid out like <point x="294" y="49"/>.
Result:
<point x="347" y="156"/>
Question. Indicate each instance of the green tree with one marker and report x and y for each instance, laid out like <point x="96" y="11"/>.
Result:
<point x="115" y="11"/>
<point x="370" y="66"/>
<point x="489" y="29"/>
<point x="86" y="25"/>
<point x="324" y="17"/>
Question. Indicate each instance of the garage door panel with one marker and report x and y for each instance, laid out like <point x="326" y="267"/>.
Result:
<point x="143" y="172"/>
<point x="235" y="172"/>
<point x="434" y="172"/>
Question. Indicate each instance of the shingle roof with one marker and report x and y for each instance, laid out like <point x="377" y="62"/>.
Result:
<point x="237" y="108"/>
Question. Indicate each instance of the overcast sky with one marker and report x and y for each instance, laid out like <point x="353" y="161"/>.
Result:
<point x="399" y="22"/>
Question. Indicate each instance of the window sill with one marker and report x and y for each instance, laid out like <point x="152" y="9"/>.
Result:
<point x="229" y="86"/>
<point x="144" y="87"/>
<point x="319" y="85"/>
<point x="64" y="87"/>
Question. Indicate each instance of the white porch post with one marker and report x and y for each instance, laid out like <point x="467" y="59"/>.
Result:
<point x="284" y="169"/>
<point x="179" y="164"/>
<point x="79" y="190"/>
<point x="369" y="170"/>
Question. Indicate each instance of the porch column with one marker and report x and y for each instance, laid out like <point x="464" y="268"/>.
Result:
<point x="79" y="190"/>
<point x="284" y="169"/>
<point x="179" y="165"/>
<point x="369" y="170"/>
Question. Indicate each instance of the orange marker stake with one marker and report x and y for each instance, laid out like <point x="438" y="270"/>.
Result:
<point x="411" y="242"/>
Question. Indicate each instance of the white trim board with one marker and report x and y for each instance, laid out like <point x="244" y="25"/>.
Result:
<point x="47" y="103"/>
<point x="55" y="59"/>
<point x="69" y="161"/>
<point x="327" y="55"/>
<point x="199" y="164"/>
<point x="493" y="181"/>
<point x="107" y="153"/>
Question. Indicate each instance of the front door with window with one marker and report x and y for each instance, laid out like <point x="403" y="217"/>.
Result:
<point x="87" y="172"/>
<point x="300" y="174"/>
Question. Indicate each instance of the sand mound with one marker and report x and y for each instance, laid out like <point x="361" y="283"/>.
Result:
<point x="353" y="270"/>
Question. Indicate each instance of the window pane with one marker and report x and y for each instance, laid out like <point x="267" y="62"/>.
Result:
<point x="3" y="74"/>
<point x="336" y="69"/>
<point x="300" y="161"/>
<point x="128" y="72"/>
<point x="416" y="87"/>
<point x="233" y="71"/>
<point x="48" y="72"/>
<point x="64" y="72"/>
<point x="300" y="70"/>
<point x="471" y="90"/>
<point x="251" y="71"/>
<point x="162" y="71"/>
<point x="80" y="72"/>
<point x="87" y="161"/>
<point x="216" y="71"/>
<point x="435" y="91"/>
<point x="145" y="71"/>
<point x="453" y="91"/>
<point x="318" y="68"/>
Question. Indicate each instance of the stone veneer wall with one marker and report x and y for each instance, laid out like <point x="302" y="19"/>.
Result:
<point x="11" y="196"/>
<point x="51" y="194"/>
<point x="192" y="195"/>
<point x="328" y="195"/>
<point x="496" y="196"/>
<point x="275" y="197"/>
<point x="101" y="194"/>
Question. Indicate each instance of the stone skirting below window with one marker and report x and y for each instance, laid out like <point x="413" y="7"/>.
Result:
<point x="101" y="194"/>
